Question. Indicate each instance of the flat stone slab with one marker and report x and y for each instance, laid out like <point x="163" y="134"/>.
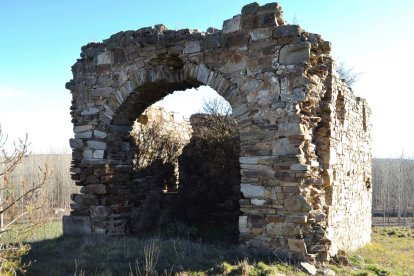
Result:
<point x="251" y="191"/>
<point x="76" y="225"/>
<point x="231" y="25"/>
<point x="294" y="54"/>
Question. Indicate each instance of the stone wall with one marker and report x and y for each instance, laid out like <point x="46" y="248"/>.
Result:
<point x="304" y="137"/>
<point x="350" y="167"/>
<point x="160" y="138"/>
<point x="339" y="191"/>
<point x="170" y="121"/>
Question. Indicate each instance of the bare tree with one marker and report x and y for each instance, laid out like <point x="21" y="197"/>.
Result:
<point x="347" y="74"/>
<point x="393" y="189"/>
<point x="23" y="197"/>
<point x="155" y="142"/>
<point x="19" y="200"/>
<point x="159" y="141"/>
<point x="220" y="124"/>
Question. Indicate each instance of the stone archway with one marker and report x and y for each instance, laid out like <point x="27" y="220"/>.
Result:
<point x="163" y="81"/>
<point x="282" y="86"/>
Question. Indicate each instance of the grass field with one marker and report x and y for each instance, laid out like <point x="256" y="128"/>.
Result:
<point x="390" y="253"/>
<point x="97" y="255"/>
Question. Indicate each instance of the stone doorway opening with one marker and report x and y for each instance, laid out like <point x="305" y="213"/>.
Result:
<point x="186" y="171"/>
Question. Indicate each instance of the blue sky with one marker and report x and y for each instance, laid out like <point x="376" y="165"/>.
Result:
<point x="40" y="40"/>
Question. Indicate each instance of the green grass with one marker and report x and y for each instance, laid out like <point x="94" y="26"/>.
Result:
<point x="19" y="233"/>
<point x="390" y="253"/>
<point x="392" y="249"/>
<point x="95" y="255"/>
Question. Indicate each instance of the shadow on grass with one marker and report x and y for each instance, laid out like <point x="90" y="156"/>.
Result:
<point x="95" y="255"/>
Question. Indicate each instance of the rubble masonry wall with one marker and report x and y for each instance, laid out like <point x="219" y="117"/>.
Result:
<point x="304" y="137"/>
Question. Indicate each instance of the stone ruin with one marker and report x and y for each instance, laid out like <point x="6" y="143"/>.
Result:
<point x="192" y="173"/>
<point x="305" y="152"/>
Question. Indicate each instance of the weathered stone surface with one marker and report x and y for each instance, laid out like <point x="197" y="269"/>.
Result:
<point x="250" y="9"/>
<point x="234" y="63"/>
<point x="99" y="134"/>
<point x="283" y="146"/>
<point x="76" y="143"/>
<point x="203" y="73"/>
<point x="97" y="189"/>
<point x="231" y="25"/>
<point x="268" y="20"/>
<point x="211" y="41"/>
<point x="287" y="30"/>
<point x="243" y="225"/>
<point x="282" y="229"/>
<point x="90" y="111"/>
<point x="259" y="34"/>
<point x="91" y="179"/>
<point x="192" y="47"/>
<point x="296" y="218"/>
<point x="296" y="203"/>
<point x="114" y="178"/>
<point x="295" y="53"/>
<point x="299" y="167"/>
<point x="82" y="128"/>
<point x="102" y="91"/>
<point x="269" y="7"/>
<point x="317" y="215"/>
<point x="251" y="191"/>
<point x="297" y="245"/>
<point x="87" y="154"/>
<point x="237" y="40"/>
<point x="274" y="218"/>
<point x="83" y="135"/>
<point x="96" y="145"/>
<point x="309" y="268"/>
<point x="104" y="58"/>
<point x="258" y="202"/>
<point x="98" y="154"/>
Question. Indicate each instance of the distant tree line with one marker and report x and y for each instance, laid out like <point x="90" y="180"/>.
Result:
<point x="393" y="189"/>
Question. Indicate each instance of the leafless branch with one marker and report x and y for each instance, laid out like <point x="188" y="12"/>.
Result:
<point x="347" y="74"/>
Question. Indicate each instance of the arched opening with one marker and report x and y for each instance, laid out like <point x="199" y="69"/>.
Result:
<point x="173" y="172"/>
<point x="186" y="150"/>
<point x="210" y="177"/>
